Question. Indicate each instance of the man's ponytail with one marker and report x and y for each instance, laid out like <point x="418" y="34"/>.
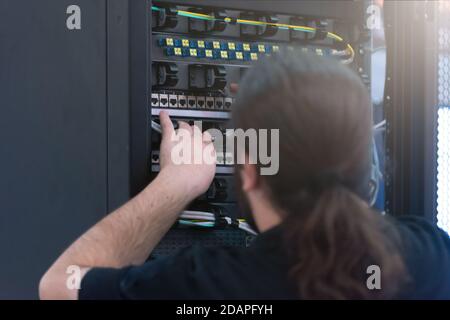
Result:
<point x="332" y="247"/>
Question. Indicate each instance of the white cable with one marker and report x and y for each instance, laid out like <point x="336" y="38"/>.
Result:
<point x="196" y="217"/>
<point x="241" y="226"/>
<point x="228" y="220"/>
<point x="198" y="213"/>
<point x="248" y="229"/>
<point x="156" y="126"/>
<point x="379" y="125"/>
<point x="202" y="215"/>
<point x="376" y="175"/>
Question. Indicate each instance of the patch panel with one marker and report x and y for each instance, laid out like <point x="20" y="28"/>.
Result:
<point x="230" y="51"/>
<point x="182" y="101"/>
<point x="217" y="124"/>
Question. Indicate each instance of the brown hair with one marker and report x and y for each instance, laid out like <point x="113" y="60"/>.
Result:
<point x="323" y="113"/>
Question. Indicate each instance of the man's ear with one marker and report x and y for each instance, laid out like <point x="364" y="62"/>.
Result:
<point x="249" y="177"/>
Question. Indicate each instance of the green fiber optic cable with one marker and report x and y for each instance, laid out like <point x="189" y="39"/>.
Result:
<point x="206" y="17"/>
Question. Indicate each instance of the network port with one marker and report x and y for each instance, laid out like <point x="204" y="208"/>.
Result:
<point x="219" y="103"/>
<point x="182" y="101"/>
<point x="163" y="100"/>
<point x="192" y="102"/>
<point x="210" y="102"/>
<point x="220" y="159"/>
<point x="200" y="102"/>
<point x="155" y="100"/>
<point x="155" y="157"/>
<point x="227" y="104"/>
<point x="173" y="101"/>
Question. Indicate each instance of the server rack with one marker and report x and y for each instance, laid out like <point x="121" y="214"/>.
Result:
<point x="416" y="89"/>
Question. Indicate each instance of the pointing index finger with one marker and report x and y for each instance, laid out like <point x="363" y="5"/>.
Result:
<point x="166" y="123"/>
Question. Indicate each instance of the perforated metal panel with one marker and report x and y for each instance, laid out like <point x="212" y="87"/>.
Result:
<point x="444" y="74"/>
<point x="443" y="130"/>
<point x="180" y="238"/>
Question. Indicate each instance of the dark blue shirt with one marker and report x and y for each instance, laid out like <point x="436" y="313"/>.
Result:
<point x="260" y="271"/>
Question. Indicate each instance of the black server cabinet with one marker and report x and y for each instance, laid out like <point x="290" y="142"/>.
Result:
<point x="64" y="127"/>
<point x="411" y="103"/>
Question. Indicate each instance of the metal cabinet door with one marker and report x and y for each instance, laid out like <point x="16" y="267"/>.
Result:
<point x="53" y="134"/>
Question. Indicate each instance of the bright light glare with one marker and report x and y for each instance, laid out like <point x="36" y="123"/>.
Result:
<point x="443" y="169"/>
<point x="444" y="6"/>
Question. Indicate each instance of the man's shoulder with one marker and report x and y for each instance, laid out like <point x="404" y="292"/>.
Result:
<point x="426" y="251"/>
<point x="420" y="230"/>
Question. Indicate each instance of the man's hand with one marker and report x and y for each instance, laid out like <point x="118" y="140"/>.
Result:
<point x="197" y="172"/>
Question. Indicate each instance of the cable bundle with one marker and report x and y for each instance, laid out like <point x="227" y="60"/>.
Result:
<point x="210" y="220"/>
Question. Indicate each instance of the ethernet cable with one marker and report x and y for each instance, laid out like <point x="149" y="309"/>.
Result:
<point x="157" y="127"/>
<point x="282" y="26"/>
<point x="206" y="224"/>
<point x="377" y="175"/>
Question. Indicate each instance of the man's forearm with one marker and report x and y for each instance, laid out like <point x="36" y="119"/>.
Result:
<point x="129" y="234"/>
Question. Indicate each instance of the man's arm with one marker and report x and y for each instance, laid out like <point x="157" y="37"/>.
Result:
<point x="128" y="235"/>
